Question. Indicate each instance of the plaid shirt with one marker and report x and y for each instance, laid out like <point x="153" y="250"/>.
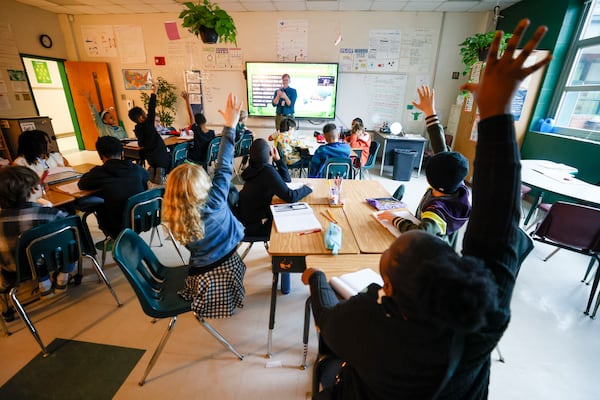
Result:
<point x="13" y="222"/>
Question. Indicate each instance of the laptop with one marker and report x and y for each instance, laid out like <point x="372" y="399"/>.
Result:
<point x="62" y="176"/>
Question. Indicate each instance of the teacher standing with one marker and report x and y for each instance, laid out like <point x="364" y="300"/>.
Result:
<point x="284" y="100"/>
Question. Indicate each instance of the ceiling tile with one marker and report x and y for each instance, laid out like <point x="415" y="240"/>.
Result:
<point x="386" y="5"/>
<point x="290" y="5"/>
<point x="355" y="5"/>
<point x="421" y="5"/>
<point x="457" y="6"/>
<point x="322" y="5"/>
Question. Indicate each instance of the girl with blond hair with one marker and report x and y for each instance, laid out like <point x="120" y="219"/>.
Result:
<point x="197" y="212"/>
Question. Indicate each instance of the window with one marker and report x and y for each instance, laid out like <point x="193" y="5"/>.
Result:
<point x="578" y="110"/>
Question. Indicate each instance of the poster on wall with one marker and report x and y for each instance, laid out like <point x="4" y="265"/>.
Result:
<point x="41" y="71"/>
<point x="292" y="40"/>
<point x="99" y="40"/>
<point x="129" y="38"/>
<point x="384" y="50"/>
<point x="137" y="79"/>
<point x="194" y="88"/>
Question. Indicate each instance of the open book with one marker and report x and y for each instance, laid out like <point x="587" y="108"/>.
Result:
<point x="390" y="226"/>
<point x="295" y="217"/>
<point x="350" y="284"/>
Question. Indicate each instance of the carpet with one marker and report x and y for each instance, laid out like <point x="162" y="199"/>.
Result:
<point x="73" y="370"/>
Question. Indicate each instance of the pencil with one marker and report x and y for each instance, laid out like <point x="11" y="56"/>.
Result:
<point x="327" y="216"/>
<point x="331" y="216"/>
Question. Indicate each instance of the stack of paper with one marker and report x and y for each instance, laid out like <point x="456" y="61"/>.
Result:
<point x="350" y="284"/>
<point x="390" y="226"/>
<point x="294" y="217"/>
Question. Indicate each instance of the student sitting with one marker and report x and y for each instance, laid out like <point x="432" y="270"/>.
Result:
<point x="429" y="331"/>
<point x="33" y="153"/>
<point x="445" y="206"/>
<point x="19" y="212"/>
<point x="359" y="138"/>
<point x="333" y="149"/>
<point x="202" y="135"/>
<point x="284" y="142"/>
<point x="117" y="180"/>
<point x="240" y="128"/>
<point x="105" y="121"/>
<point x="152" y="144"/>
<point x="197" y="212"/>
<point x="262" y="181"/>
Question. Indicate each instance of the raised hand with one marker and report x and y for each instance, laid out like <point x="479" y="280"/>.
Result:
<point x="426" y="100"/>
<point x="502" y="76"/>
<point x="232" y="111"/>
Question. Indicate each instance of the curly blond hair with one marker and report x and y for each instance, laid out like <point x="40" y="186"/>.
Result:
<point x="185" y="195"/>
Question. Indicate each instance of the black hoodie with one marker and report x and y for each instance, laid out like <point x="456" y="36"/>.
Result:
<point x="117" y="180"/>
<point x="261" y="184"/>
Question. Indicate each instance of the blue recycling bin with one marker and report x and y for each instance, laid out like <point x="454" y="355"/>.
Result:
<point x="404" y="159"/>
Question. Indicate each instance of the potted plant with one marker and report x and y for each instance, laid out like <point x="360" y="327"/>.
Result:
<point x="209" y="21"/>
<point x="166" y="98"/>
<point x="475" y="48"/>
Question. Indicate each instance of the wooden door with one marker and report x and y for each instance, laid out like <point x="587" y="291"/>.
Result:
<point x="93" y="77"/>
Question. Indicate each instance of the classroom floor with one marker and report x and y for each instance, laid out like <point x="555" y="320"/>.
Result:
<point x="550" y="347"/>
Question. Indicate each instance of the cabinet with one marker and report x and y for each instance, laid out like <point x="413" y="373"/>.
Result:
<point x="12" y="128"/>
<point x="522" y="108"/>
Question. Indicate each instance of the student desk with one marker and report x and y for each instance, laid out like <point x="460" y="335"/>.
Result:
<point x="360" y="232"/>
<point x="133" y="151"/>
<point x="67" y="191"/>
<point x="546" y="176"/>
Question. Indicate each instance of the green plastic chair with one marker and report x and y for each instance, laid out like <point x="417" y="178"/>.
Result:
<point x="55" y="243"/>
<point x="338" y="167"/>
<point x="156" y="287"/>
<point x="212" y="152"/>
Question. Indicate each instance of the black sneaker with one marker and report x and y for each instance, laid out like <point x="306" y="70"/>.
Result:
<point x="9" y="315"/>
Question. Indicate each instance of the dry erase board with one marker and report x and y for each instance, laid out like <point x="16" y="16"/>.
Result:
<point x="373" y="97"/>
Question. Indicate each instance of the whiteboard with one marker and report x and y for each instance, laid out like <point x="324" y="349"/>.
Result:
<point x="373" y="97"/>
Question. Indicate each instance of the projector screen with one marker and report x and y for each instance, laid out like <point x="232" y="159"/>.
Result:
<point x="316" y="84"/>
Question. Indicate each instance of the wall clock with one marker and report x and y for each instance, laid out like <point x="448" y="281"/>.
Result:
<point x="46" y="41"/>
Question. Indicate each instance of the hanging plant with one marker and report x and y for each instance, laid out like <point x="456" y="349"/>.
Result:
<point x="208" y="21"/>
<point x="166" y="98"/>
<point x="475" y="48"/>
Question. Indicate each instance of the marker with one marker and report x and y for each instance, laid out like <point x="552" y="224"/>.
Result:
<point x="309" y="232"/>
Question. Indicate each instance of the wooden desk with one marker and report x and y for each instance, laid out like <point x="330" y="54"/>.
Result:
<point x="391" y="142"/>
<point x="59" y="197"/>
<point x="546" y="177"/>
<point x="132" y="151"/>
<point x="360" y="233"/>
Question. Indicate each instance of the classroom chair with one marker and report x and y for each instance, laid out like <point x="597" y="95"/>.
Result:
<point x="338" y="167"/>
<point x="242" y="149"/>
<point x="156" y="287"/>
<point x="373" y="150"/>
<point x="52" y="245"/>
<point x="179" y="154"/>
<point x="211" y="153"/>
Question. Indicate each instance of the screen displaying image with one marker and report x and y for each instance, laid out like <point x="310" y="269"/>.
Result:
<point x="315" y="83"/>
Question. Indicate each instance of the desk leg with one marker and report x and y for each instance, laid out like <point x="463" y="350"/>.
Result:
<point x="307" y="308"/>
<point x="272" y="313"/>
<point x="383" y="157"/>
<point x="285" y="283"/>
<point x="421" y="160"/>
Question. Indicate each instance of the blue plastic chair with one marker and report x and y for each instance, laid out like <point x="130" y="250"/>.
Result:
<point x="337" y="167"/>
<point x="373" y="150"/>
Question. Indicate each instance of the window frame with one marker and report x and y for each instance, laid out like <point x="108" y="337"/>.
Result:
<point x="562" y="86"/>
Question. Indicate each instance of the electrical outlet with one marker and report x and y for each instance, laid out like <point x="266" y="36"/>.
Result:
<point x="455" y="75"/>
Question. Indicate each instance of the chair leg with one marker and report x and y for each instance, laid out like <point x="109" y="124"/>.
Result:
<point x="5" y="331"/>
<point x="165" y="227"/>
<point x="104" y="250"/>
<point x="500" y="357"/>
<point x="247" y="250"/>
<point x="25" y="318"/>
<point x="589" y="268"/>
<point x="155" y="230"/>
<point x="159" y="349"/>
<point x="102" y="276"/>
<point x="592" y="292"/>
<point x="218" y="336"/>
<point x="306" y="333"/>
<point x="551" y="254"/>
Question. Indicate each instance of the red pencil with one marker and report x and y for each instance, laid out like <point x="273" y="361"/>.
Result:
<point x="44" y="176"/>
<point x="309" y="232"/>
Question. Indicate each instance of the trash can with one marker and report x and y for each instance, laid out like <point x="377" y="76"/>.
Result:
<point x="404" y="160"/>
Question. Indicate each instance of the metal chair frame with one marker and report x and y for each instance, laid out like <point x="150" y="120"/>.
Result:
<point x="38" y="241"/>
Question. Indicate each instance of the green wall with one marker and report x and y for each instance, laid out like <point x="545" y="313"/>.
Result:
<point x="561" y="17"/>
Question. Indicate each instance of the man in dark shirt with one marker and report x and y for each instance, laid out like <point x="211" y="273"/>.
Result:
<point x="117" y="180"/>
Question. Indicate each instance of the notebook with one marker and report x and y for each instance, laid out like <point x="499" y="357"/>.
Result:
<point x="57" y="177"/>
<point x="399" y="213"/>
<point x="385" y="203"/>
<point x="294" y="217"/>
<point x="350" y="284"/>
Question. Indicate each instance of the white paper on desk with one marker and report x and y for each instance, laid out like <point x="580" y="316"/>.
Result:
<point x="294" y="217"/>
<point x="350" y="284"/>
<point x="133" y="143"/>
<point x="295" y="185"/>
<point x="70" y="187"/>
<point x="557" y="175"/>
<point x="399" y="213"/>
<point x="58" y="170"/>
